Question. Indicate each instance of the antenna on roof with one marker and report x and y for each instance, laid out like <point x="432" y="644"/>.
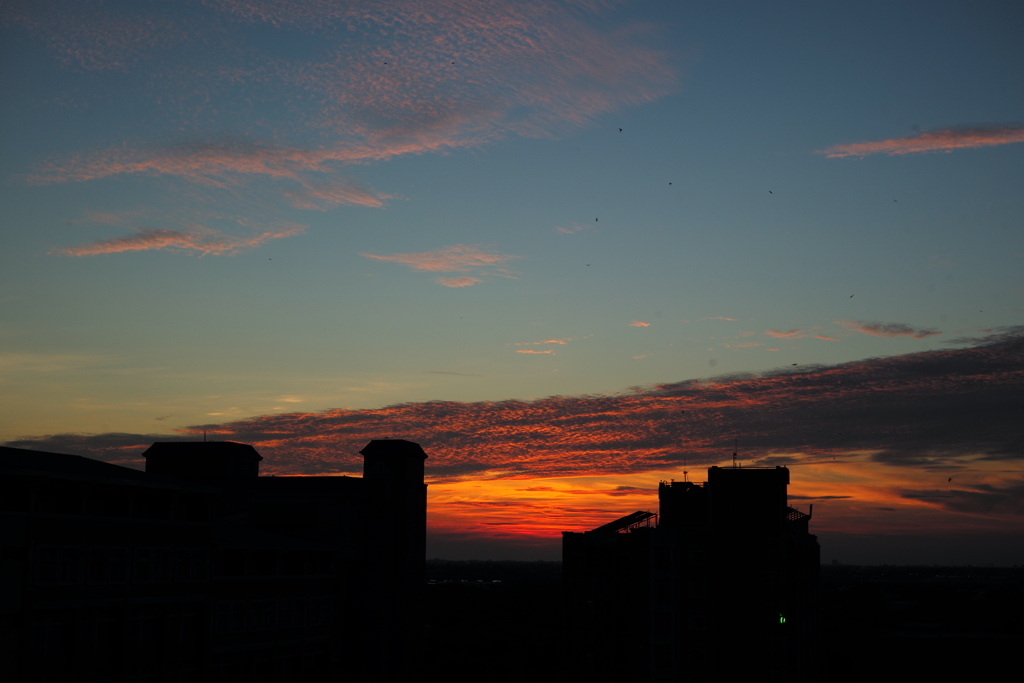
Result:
<point x="736" y="447"/>
<point x="684" y="471"/>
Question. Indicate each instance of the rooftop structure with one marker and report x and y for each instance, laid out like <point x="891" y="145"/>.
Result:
<point x="728" y="568"/>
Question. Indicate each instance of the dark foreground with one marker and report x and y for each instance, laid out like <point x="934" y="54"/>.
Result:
<point x="502" y="621"/>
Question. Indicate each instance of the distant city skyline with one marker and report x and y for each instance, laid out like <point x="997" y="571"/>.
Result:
<point x="528" y="236"/>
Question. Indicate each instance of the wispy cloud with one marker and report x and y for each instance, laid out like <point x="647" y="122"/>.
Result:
<point x="94" y="36"/>
<point x="398" y="80"/>
<point x="549" y="351"/>
<point x="309" y="175"/>
<point x="464" y="281"/>
<point x="889" y="329"/>
<point x="823" y="337"/>
<point x="560" y="342"/>
<point x="572" y="228"/>
<point x="202" y="242"/>
<point x="791" y="334"/>
<point x="639" y="323"/>
<point x="943" y="140"/>
<point x="456" y="258"/>
<point x="719" y="317"/>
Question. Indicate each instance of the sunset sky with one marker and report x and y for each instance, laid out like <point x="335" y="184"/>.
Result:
<point x="567" y="247"/>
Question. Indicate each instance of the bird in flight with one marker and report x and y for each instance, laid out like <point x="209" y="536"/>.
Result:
<point x="851" y="296"/>
<point x="620" y="130"/>
<point x="949" y="480"/>
<point x="595" y="220"/>
<point x="770" y="192"/>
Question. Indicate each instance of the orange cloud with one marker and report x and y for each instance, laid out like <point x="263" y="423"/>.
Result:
<point x="889" y="329"/>
<point x="456" y="258"/>
<point x="859" y="437"/>
<point x="205" y="242"/>
<point x="464" y="281"/>
<point x="927" y="409"/>
<point x="638" y="323"/>
<point x="560" y="342"/>
<point x="532" y="351"/>
<point x="779" y="334"/>
<point x="944" y="140"/>
<point x="821" y="336"/>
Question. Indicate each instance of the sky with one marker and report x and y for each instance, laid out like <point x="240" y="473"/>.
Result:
<point x="573" y="249"/>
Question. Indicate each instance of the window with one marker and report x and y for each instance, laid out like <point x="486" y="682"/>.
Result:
<point x="47" y="559"/>
<point x="58" y="565"/>
<point x="143" y="564"/>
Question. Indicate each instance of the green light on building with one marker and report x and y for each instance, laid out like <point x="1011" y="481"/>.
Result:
<point x="782" y="619"/>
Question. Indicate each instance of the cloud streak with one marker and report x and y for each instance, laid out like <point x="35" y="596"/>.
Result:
<point x="779" y="334"/>
<point x="876" y="329"/>
<point x="943" y="140"/>
<point x="202" y="242"/>
<point x="456" y="258"/>
<point x="927" y="410"/>
<point x="464" y="281"/>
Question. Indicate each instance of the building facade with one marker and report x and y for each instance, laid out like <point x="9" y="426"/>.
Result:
<point x="721" y="586"/>
<point x="199" y="569"/>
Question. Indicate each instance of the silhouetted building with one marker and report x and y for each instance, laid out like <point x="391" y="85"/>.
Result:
<point x="721" y="588"/>
<point x="200" y="570"/>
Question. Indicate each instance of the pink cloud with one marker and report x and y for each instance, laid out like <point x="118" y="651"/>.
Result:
<point x="944" y="140"/>
<point x="464" y="281"/>
<point x="93" y="36"/>
<point x="204" y="242"/>
<point x="225" y="163"/>
<point x="747" y="345"/>
<point x="779" y="334"/>
<point x="549" y="351"/>
<point x="573" y="228"/>
<point x="403" y="79"/>
<point x="561" y="342"/>
<point x="719" y="317"/>
<point x="638" y="323"/>
<point x="456" y="258"/>
<point x="821" y="336"/>
<point x="889" y="329"/>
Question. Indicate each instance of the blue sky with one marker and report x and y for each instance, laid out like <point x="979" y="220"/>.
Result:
<point x="223" y="210"/>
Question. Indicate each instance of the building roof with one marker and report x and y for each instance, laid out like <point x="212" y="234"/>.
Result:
<point x="25" y="462"/>
<point x="393" y="446"/>
<point x="206" y="449"/>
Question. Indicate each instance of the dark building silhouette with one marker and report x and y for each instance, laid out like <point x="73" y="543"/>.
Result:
<point x="721" y="587"/>
<point x="200" y="570"/>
